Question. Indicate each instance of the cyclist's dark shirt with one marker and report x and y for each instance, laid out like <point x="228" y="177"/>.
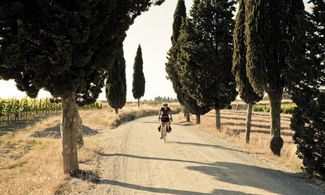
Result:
<point x="165" y="112"/>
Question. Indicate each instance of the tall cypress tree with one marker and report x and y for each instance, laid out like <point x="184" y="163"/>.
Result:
<point x="306" y="83"/>
<point x="205" y="55"/>
<point x="116" y="82"/>
<point x="269" y="34"/>
<point x="64" y="47"/>
<point x="245" y="89"/>
<point x="138" y="85"/>
<point x="172" y="66"/>
<point x="179" y="15"/>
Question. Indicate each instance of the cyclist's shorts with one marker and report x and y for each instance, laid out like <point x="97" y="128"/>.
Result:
<point x="165" y="119"/>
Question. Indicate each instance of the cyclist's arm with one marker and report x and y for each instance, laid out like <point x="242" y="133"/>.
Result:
<point x="170" y="114"/>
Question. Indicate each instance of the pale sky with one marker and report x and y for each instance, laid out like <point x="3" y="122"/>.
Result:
<point x="152" y="30"/>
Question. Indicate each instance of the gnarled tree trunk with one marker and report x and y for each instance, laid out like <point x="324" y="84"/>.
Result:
<point x="71" y="132"/>
<point x="139" y="102"/>
<point x="116" y="110"/>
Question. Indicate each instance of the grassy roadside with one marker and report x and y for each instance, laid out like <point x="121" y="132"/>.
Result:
<point x="31" y="165"/>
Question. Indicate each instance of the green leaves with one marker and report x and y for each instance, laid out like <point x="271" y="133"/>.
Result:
<point x="63" y="46"/>
<point x="138" y="85"/>
<point x="205" y="54"/>
<point x="244" y="87"/>
<point x="116" y="82"/>
<point x="305" y="83"/>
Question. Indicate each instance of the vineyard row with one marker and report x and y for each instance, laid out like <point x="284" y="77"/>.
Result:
<point x="14" y="109"/>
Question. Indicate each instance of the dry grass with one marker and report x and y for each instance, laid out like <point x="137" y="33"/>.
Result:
<point x="27" y="165"/>
<point x="34" y="166"/>
<point x="233" y="130"/>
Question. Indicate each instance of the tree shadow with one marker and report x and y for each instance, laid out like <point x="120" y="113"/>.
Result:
<point x="14" y="126"/>
<point x="94" y="178"/>
<point x="172" y="123"/>
<point x="271" y="180"/>
<point x="234" y="173"/>
<point x="152" y="158"/>
<point x="230" y="192"/>
<point x="54" y="132"/>
<point x="149" y="189"/>
<point x="166" y="190"/>
<point x="213" y="146"/>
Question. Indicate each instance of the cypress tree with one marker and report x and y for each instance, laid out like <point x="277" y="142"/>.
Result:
<point x="245" y="89"/>
<point x="205" y="55"/>
<point x="116" y="82"/>
<point x="64" y="47"/>
<point x="172" y="66"/>
<point x="179" y="15"/>
<point x="269" y="34"/>
<point x="138" y="85"/>
<point x="306" y="83"/>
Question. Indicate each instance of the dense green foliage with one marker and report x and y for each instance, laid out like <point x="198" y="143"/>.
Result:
<point x="273" y="35"/>
<point x="66" y="48"/>
<point x="116" y="82"/>
<point x="306" y="84"/>
<point x="173" y="67"/>
<point x="205" y="54"/>
<point x="245" y="89"/>
<point x="172" y="75"/>
<point x="138" y="84"/>
<point x="61" y="46"/>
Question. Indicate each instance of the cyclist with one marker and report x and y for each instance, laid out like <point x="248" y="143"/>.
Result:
<point x="165" y="117"/>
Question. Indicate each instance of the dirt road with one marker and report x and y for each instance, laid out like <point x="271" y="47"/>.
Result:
<point x="136" y="161"/>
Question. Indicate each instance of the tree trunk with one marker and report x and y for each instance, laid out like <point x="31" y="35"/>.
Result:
<point x="218" y="119"/>
<point x="198" y="119"/>
<point x="79" y="139"/>
<point x="275" y="103"/>
<point x="249" y="121"/>
<point x="69" y="130"/>
<point x="187" y="115"/>
<point x="139" y="102"/>
<point x="116" y="111"/>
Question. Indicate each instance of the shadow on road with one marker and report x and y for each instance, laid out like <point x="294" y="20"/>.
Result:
<point x="176" y="124"/>
<point x="152" y="158"/>
<point x="149" y="189"/>
<point x="165" y="190"/>
<point x="271" y="180"/>
<point x="211" y="145"/>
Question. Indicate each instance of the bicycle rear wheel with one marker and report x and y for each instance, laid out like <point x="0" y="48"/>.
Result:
<point x="165" y="133"/>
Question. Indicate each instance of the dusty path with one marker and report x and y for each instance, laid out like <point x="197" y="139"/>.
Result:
<point x="136" y="161"/>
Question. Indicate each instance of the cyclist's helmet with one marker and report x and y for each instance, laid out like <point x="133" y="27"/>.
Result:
<point x="165" y="104"/>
